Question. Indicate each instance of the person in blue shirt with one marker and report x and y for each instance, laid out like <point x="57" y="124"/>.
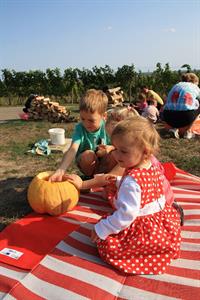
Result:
<point x="87" y="135"/>
<point x="182" y="106"/>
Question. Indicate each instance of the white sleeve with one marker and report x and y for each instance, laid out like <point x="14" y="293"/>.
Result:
<point x="118" y="181"/>
<point x="127" y="209"/>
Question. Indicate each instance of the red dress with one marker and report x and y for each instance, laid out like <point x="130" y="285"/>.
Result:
<point x="110" y="190"/>
<point x="149" y="244"/>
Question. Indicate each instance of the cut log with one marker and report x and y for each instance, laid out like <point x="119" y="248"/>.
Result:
<point x="115" y="96"/>
<point x="44" y="109"/>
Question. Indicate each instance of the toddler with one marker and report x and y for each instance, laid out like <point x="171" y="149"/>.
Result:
<point x="142" y="235"/>
<point x="114" y="116"/>
<point x="151" y="112"/>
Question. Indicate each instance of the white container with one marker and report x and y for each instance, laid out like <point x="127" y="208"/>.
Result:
<point x="57" y="136"/>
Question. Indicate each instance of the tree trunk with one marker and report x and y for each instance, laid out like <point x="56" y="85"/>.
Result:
<point x="130" y="94"/>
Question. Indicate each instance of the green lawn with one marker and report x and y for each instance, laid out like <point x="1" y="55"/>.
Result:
<point x="18" y="166"/>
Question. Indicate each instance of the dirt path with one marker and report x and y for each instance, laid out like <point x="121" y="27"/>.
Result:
<point x="10" y="113"/>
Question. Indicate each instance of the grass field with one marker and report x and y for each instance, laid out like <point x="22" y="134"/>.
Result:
<point x="18" y="166"/>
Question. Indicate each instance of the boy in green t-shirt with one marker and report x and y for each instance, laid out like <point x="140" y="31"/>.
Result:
<point x="88" y="134"/>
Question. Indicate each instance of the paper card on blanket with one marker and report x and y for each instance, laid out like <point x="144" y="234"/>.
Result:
<point x="29" y="239"/>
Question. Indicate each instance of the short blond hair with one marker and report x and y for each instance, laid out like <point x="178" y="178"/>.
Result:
<point x="190" y="77"/>
<point x="94" y="100"/>
<point x="121" y="113"/>
<point x="139" y="131"/>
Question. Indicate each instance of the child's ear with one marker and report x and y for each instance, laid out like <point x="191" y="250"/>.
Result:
<point x="104" y="116"/>
<point x="147" y="153"/>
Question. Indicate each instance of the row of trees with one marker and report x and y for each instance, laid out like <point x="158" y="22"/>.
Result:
<point x="72" y="83"/>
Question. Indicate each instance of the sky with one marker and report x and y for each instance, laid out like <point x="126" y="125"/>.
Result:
<point x="41" y="34"/>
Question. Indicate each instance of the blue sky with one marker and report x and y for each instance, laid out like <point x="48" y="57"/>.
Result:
<point x="41" y="34"/>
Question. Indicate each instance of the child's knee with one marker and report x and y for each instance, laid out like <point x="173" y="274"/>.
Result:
<point x="87" y="162"/>
<point x="111" y="160"/>
<point x="107" y="163"/>
<point x="87" y="156"/>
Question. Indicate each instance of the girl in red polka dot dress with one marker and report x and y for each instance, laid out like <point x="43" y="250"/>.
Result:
<point x="142" y="235"/>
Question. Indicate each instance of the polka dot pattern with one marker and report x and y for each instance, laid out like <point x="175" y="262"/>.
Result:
<point x="152" y="241"/>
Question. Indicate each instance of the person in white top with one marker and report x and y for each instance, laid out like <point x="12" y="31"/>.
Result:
<point x="151" y="112"/>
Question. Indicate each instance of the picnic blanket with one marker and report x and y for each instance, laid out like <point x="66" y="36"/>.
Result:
<point x="74" y="270"/>
<point x="28" y="240"/>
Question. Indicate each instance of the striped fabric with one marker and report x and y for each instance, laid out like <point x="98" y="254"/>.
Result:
<point x="74" y="270"/>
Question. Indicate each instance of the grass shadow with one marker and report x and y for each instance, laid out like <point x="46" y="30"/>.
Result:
<point x="13" y="198"/>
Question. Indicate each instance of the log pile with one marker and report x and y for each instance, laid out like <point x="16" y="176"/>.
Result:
<point x="115" y="97"/>
<point x="44" y="109"/>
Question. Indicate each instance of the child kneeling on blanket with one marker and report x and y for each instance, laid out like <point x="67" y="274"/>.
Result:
<point x="142" y="235"/>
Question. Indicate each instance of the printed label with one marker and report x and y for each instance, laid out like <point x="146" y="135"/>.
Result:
<point x="11" y="253"/>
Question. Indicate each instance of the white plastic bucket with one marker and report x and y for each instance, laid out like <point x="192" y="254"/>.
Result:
<point x="57" y="136"/>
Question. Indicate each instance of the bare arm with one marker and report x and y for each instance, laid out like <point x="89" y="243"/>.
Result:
<point x="98" y="181"/>
<point x="65" y="163"/>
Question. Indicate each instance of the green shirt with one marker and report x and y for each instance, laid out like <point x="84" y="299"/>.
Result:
<point x="89" y="140"/>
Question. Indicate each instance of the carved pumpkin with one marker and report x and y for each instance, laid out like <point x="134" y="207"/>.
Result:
<point x="53" y="198"/>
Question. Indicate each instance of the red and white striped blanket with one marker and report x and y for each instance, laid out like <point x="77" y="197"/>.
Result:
<point x="73" y="270"/>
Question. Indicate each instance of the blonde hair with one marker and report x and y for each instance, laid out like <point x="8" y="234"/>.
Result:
<point x="120" y="113"/>
<point x="190" y="77"/>
<point x="140" y="132"/>
<point x="94" y="100"/>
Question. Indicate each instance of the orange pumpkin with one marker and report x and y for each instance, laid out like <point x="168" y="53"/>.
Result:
<point x="53" y="198"/>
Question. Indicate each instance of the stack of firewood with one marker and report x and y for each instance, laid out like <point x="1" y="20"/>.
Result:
<point x="44" y="109"/>
<point x="115" y="96"/>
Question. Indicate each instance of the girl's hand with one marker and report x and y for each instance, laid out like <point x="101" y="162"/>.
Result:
<point x="110" y="178"/>
<point x="74" y="179"/>
<point x="94" y="236"/>
<point x="105" y="179"/>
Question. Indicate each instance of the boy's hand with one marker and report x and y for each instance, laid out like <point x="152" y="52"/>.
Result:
<point x="103" y="150"/>
<point x="94" y="236"/>
<point x="57" y="176"/>
<point x="74" y="179"/>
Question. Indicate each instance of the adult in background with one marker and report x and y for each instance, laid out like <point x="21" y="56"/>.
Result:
<point x="182" y="106"/>
<point x="28" y="102"/>
<point x="151" y="95"/>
